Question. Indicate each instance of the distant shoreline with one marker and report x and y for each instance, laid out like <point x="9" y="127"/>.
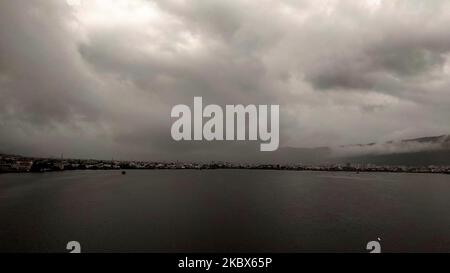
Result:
<point x="234" y="168"/>
<point x="19" y="164"/>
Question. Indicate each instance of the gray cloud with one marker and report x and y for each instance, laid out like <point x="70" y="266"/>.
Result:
<point x="99" y="79"/>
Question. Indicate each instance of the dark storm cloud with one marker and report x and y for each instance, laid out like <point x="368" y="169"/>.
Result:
<point x="98" y="78"/>
<point x="41" y="81"/>
<point x="404" y="55"/>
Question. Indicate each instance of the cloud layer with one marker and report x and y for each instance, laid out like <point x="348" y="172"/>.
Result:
<point x="98" y="78"/>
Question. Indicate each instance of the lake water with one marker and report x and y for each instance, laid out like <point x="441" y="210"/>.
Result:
<point x="223" y="211"/>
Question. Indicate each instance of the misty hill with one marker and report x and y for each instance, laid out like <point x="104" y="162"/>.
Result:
<point x="423" y="158"/>
<point x="424" y="151"/>
<point x="443" y="140"/>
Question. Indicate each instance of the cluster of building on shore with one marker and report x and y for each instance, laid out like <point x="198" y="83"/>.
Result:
<point x="11" y="163"/>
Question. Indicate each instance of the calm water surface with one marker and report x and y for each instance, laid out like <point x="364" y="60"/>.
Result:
<point x="223" y="210"/>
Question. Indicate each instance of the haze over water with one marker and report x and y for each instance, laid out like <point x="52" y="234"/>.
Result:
<point x="223" y="211"/>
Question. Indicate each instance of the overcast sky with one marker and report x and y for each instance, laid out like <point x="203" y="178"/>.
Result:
<point x="98" y="78"/>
